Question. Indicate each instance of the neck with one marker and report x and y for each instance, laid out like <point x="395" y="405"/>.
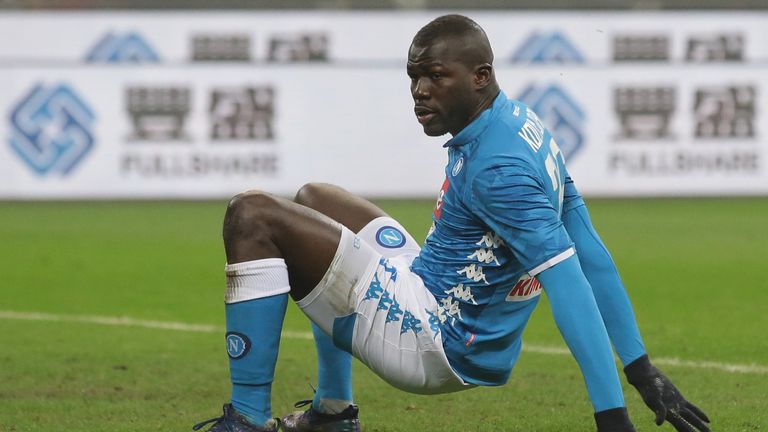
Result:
<point x="486" y="100"/>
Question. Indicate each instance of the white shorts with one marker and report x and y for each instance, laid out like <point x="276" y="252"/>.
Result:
<point x="373" y="306"/>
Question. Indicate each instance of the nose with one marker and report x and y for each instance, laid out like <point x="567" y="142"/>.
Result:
<point x="420" y="89"/>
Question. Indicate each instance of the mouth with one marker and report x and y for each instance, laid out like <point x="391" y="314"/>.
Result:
<point x="423" y="114"/>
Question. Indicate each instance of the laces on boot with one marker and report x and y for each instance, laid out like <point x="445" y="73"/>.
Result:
<point x="202" y="424"/>
<point x="303" y="403"/>
<point x="230" y="416"/>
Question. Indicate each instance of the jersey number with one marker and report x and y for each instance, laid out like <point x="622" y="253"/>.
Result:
<point x="553" y="169"/>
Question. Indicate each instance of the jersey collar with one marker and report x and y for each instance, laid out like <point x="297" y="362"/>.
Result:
<point x="478" y="125"/>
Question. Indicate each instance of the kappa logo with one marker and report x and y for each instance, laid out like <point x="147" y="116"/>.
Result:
<point x="434" y="321"/>
<point x="375" y="290"/>
<point x="126" y="48"/>
<point x="525" y="288"/>
<point x="238" y="345"/>
<point x="491" y="240"/>
<point x="562" y="114"/>
<point x="484" y="256"/>
<point x="550" y="47"/>
<point x="51" y="129"/>
<point x="410" y="322"/>
<point x="463" y="292"/>
<point x="392" y="270"/>
<point x="474" y="272"/>
<point x="390" y="237"/>
<point x="449" y="308"/>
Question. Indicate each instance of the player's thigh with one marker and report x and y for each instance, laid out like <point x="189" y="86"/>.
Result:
<point x="348" y="209"/>
<point x="371" y="223"/>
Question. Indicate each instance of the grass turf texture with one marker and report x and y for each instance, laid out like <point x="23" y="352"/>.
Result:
<point x="695" y="270"/>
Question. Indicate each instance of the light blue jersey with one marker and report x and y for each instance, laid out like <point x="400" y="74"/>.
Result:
<point x="497" y="224"/>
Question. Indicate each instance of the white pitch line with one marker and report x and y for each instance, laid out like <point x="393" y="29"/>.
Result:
<point x="668" y="361"/>
<point x="112" y="321"/>
<point x="726" y="367"/>
<point x="208" y="328"/>
<point x="131" y="322"/>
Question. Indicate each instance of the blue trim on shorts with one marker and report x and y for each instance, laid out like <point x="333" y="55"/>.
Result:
<point x="343" y="327"/>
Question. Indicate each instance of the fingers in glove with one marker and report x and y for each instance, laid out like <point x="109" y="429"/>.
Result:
<point x="680" y="424"/>
<point x="661" y="414"/>
<point x="695" y="420"/>
<point x="698" y="412"/>
<point x="657" y="406"/>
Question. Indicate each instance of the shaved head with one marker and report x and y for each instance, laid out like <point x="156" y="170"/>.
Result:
<point x="450" y="64"/>
<point x="468" y="40"/>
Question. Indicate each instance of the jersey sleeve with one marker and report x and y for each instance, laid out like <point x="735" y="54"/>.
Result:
<point x="600" y="271"/>
<point x="514" y="204"/>
<point x="571" y="197"/>
<point x="577" y="316"/>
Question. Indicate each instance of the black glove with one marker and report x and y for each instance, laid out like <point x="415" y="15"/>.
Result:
<point x="613" y="420"/>
<point x="663" y="398"/>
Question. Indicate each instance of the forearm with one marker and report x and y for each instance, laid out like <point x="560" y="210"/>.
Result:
<point x="612" y="299"/>
<point x="578" y="319"/>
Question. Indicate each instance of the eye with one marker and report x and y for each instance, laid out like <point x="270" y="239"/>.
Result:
<point x="436" y="75"/>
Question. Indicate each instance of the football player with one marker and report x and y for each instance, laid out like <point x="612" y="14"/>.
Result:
<point x="449" y="315"/>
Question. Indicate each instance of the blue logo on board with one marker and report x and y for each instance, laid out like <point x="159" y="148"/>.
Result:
<point x="126" y="48"/>
<point x="238" y="345"/>
<point x="550" y="47"/>
<point x="51" y="129"/>
<point x="563" y="116"/>
<point x="390" y="237"/>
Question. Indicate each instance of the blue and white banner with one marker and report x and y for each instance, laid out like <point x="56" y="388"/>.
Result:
<point x="195" y="132"/>
<point x="207" y="104"/>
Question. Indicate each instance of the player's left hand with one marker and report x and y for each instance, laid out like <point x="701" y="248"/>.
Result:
<point x="663" y="398"/>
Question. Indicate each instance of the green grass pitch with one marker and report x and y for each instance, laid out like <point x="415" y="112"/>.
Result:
<point x="696" y="269"/>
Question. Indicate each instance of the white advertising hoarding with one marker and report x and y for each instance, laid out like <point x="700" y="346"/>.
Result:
<point x="642" y="104"/>
<point x="195" y="132"/>
<point x="157" y="132"/>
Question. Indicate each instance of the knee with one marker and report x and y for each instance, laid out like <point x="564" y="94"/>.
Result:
<point x="311" y="194"/>
<point x="248" y="213"/>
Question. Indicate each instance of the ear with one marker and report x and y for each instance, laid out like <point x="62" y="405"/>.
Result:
<point x="483" y="75"/>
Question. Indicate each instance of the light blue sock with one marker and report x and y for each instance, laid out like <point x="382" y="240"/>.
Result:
<point x="334" y="370"/>
<point x="253" y="339"/>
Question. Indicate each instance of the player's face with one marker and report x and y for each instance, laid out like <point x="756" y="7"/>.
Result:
<point x="442" y="89"/>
